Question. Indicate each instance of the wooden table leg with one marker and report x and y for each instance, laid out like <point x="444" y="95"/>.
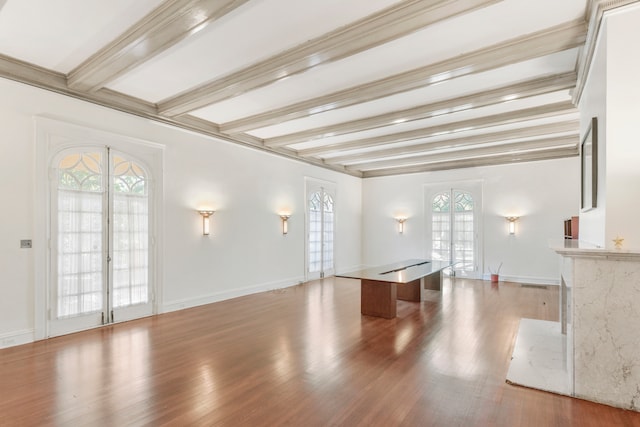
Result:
<point x="378" y="298"/>
<point x="409" y="291"/>
<point x="433" y="281"/>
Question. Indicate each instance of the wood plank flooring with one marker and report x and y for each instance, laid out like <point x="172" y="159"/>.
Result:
<point x="301" y="356"/>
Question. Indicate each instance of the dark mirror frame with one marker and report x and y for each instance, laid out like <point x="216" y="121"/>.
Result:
<point x="589" y="167"/>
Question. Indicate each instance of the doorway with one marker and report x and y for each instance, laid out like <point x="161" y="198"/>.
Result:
<point x="98" y="208"/>
<point x="100" y="221"/>
<point x="320" y="224"/>
<point x="453" y="226"/>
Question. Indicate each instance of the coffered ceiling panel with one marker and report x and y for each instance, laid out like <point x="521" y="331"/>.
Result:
<point x="255" y="31"/>
<point x="493" y="134"/>
<point x="365" y="87"/>
<point x="550" y="105"/>
<point x="434" y="94"/>
<point x="60" y="34"/>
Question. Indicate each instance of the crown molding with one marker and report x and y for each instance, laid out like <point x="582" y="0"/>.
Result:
<point x="32" y="75"/>
<point x="466" y="154"/>
<point x="165" y="26"/>
<point x="488" y="161"/>
<point x="527" y="114"/>
<point x="572" y="126"/>
<point x="502" y="94"/>
<point x="176" y="19"/>
<point x="595" y="13"/>
<point x="374" y="30"/>
<point x="549" y="41"/>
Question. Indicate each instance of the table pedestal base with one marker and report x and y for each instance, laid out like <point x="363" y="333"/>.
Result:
<point x="409" y="291"/>
<point x="379" y="298"/>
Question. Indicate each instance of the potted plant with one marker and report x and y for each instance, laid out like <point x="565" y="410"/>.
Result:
<point x="495" y="275"/>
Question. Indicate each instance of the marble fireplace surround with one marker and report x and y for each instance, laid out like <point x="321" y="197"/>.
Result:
<point x="593" y="353"/>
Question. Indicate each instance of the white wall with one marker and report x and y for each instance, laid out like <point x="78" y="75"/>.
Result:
<point x="246" y="251"/>
<point x="593" y="104"/>
<point x="543" y="194"/>
<point x="612" y="94"/>
<point x="623" y="113"/>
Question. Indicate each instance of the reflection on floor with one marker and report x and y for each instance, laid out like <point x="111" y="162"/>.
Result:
<point x="539" y="357"/>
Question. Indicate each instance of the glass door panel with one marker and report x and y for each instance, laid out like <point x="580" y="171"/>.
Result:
<point x="100" y="241"/>
<point x="320" y="231"/>
<point x="454" y="228"/>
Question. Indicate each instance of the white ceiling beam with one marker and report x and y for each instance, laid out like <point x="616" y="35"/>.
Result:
<point x="204" y="127"/>
<point x="494" y="150"/>
<point x="520" y="90"/>
<point x="13" y="69"/>
<point x="389" y="24"/>
<point x="558" y="153"/>
<point x="546" y="42"/>
<point x="34" y="75"/>
<point x="487" y="138"/>
<point x="170" y="23"/>
<point x="511" y="117"/>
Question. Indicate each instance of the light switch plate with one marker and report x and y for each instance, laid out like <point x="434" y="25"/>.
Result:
<point x="25" y="244"/>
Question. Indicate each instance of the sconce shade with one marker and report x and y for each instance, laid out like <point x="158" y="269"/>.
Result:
<point x="401" y="221"/>
<point x="285" y="223"/>
<point x="205" y="221"/>
<point x="512" y="224"/>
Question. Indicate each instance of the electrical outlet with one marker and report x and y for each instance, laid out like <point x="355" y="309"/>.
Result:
<point x="25" y="244"/>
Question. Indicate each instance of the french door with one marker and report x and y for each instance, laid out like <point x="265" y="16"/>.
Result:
<point x="454" y="228"/>
<point x="320" y="229"/>
<point x="100" y="239"/>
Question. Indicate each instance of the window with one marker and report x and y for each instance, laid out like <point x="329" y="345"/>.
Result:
<point x="101" y="211"/>
<point x="80" y="234"/>
<point x="320" y="231"/>
<point x="98" y="204"/>
<point x="454" y="228"/>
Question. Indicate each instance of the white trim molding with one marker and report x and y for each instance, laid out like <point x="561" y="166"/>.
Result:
<point x="595" y="13"/>
<point x="52" y="135"/>
<point x="183" y="304"/>
<point x="12" y="339"/>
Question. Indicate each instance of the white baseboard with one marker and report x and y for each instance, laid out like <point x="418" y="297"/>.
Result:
<point x="11" y="339"/>
<point x="351" y="268"/>
<point x="229" y="294"/>
<point x="526" y="280"/>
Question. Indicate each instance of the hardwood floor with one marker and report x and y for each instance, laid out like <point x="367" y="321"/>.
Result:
<point x="302" y="356"/>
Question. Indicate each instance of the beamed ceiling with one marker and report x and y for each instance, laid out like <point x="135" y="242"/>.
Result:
<point x="365" y="87"/>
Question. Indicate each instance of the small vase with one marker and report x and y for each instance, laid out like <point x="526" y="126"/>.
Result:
<point x="494" y="278"/>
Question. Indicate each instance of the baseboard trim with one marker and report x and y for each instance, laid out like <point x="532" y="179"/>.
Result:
<point x="229" y="294"/>
<point x="12" y="339"/>
<point x="526" y="280"/>
<point x="352" y="268"/>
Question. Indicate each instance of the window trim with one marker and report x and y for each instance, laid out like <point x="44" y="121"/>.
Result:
<point x="53" y="136"/>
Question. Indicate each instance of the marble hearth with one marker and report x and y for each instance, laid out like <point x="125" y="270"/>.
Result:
<point x="594" y="351"/>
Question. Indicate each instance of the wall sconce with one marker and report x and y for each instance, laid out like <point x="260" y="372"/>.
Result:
<point x="205" y="221"/>
<point x="512" y="224"/>
<point x="285" y="223"/>
<point x="401" y="221"/>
